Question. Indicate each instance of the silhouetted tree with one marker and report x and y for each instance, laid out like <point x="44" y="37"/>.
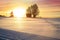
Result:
<point x="11" y="14"/>
<point x="34" y="10"/>
<point x="28" y="13"/>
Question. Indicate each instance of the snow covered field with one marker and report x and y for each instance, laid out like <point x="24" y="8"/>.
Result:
<point x="32" y="28"/>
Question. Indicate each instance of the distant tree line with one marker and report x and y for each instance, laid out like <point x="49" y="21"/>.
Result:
<point x="2" y="16"/>
<point x="32" y="11"/>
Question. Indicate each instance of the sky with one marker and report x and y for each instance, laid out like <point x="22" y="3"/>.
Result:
<point x="48" y="8"/>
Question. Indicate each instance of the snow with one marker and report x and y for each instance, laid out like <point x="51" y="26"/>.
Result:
<point x="32" y="28"/>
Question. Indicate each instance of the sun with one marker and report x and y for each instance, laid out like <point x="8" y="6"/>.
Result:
<point x="19" y="12"/>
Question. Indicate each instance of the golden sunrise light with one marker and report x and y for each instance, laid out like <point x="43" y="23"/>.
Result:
<point x="19" y="12"/>
<point x="48" y="8"/>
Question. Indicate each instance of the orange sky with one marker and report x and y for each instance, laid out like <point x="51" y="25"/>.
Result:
<point x="48" y="8"/>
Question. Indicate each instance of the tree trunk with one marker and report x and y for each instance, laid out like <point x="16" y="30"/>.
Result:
<point x="34" y="16"/>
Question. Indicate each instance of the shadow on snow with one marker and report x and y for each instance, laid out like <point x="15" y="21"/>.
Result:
<point x="13" y="35"/>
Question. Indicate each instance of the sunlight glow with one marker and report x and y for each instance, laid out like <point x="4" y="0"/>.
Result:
<point x="19" y="12"/>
